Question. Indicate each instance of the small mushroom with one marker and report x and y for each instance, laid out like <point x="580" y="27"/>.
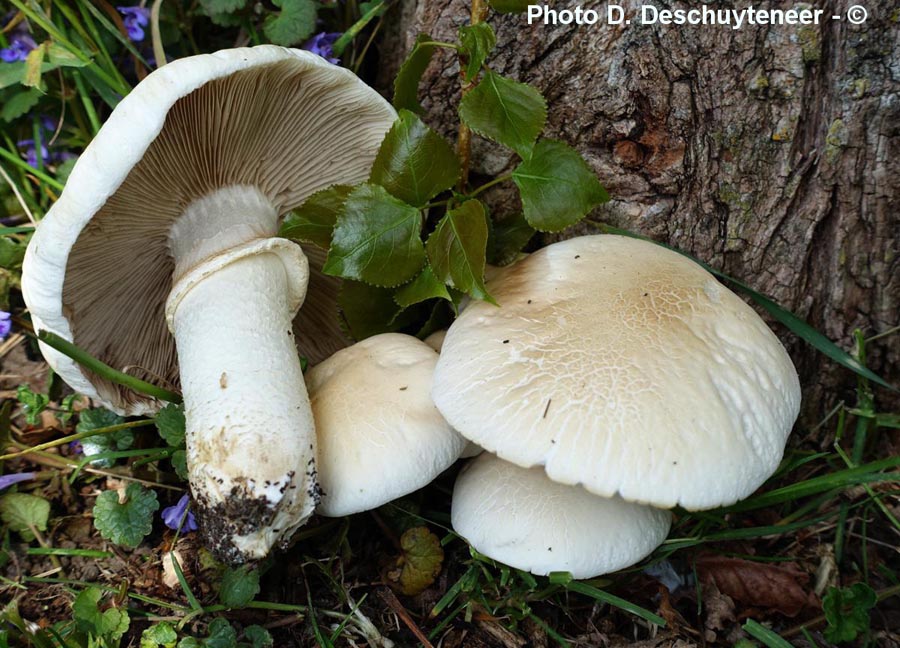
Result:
<point x="168" y="223"/>
<point x="379" y="434"/>
<point x="523" y="519"/>
<point x="624" y="367"/>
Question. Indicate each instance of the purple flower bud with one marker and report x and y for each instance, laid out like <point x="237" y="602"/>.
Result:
<point x="135" y="19"/>
<point x="5" y="324"/>
<point x="322" y="44"/>
<point x="19" y="46"/>
<point x="8" y="480"/>
<point x="172" y="516"/>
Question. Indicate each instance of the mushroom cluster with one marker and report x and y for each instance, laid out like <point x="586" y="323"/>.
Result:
<point x="161" y="259"/>
<point x="616" y="379"/>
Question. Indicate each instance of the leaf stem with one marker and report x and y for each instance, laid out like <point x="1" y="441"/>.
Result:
<point x="78" y="437"/>
<point x="488" y="185"/>
<point x="477" y="15"/>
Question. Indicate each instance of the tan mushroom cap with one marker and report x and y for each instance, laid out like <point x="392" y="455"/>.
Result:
<point x="278" y="123"/>
<point x="379" y="434"/>
<point x="523" y="519"/>
<point x="625" y="367"/>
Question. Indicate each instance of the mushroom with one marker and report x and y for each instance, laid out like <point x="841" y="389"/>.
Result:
<point x="168" y="223"/>
<point x="523" y="519"/>
<point x="379" y="434"/>
<point x="624" y="367"/>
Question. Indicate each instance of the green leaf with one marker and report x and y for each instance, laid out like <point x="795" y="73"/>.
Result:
<point x="406" y="85"/>
<point x="171" y="424"/>
<point x="222" y="6"/>
<point x="95" y="419"/>
<point x="294" y="24"/>
<point x="477" y="42"/>
<point x="457" y="247"/>
<point x="125" y="523"/>
<point x="507" y="239"/>
<point x="510" y="6"/>
<point x="769" y="637"/>
<point x="22" y="511"/>
<point x="258" y="637"/>
<point x="558" y="188"/>
<point x="33" y="403"/>
<point x="161" y="634"/>
<point x="33" y="65"/>
<point x="239" y="586"/>
<point x="367" y="310"/>
<point x="505" y="111"/>
<point x="419" y="564"/>
<point x="314" y="220"/>
<point x="19" y="104"/>
<point x="179" y="463"/>
<point x="423" y="287"/>
<point x="847" y="611"/>
<point x="59" y="56"/>
<point x="221" y="635"/>
<point x="12" y="253"/>
<point x="414" y="163"/>
<point x="376" y="239"/>
<point x="797" y="326"/>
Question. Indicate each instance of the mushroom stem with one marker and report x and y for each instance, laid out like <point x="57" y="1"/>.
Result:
<point x="250" y="433"/>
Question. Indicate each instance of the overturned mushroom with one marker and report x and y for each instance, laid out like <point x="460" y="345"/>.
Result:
<point x="168" y="223"/>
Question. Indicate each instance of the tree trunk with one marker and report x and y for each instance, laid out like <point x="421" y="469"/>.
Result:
<point x="770" y="152"/>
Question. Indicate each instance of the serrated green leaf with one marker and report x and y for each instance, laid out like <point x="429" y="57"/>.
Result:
<point x="457" y="249"/>
<point x="507" y="239"/>
<point x="222" y="6"/>
<point x="179" y="463"/>
<point x="125" y="523"/>
<point x="419" y="564"/>
<point x="170" y="423"/>
<point x="477" y="42"/>
<point x="558" y="188"/>
<point x="12" y="253"/>
<point x="376" y="239"/>
<point x="221" y="634"/>
<point x="314" y="220"/>
<point x="22" y="511"/>
<point x="94" y="419"/>
<point x="258" y="637"/>
<point x="239" y="586"/>
<point x="848" y="612"/>
<point x="86" y="611"/>
<point x="425" y="286"/>
<point x="115" y="624"/>
<point x="366" y="310"/>
<point x="509" y="6"/>
<point x="406" y="85"/>
<point x="161" y="634"/>
<point x="33" y="403"/>
<point x="505" y="111"/>
<point x="414" y="163"/>
<point x="19" y="104"/>
<point x="294" y="23"/>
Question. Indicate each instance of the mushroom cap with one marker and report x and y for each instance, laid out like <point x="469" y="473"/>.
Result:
<point x="523" y="519"/>
<point x="625" y="367"/>
<point x="280" y="123"/>
<point x="379" y="434"/>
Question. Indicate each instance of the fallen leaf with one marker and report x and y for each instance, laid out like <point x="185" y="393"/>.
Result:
<point x="419" y="563"/>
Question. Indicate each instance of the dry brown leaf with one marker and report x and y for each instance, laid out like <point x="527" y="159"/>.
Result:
<point x="779" y="587"/>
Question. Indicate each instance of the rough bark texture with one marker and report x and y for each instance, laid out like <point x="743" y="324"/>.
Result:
<point x="771" y="152"/>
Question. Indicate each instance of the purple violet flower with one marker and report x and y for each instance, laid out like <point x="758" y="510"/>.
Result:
<point x="19" y="46"/>
<point x="5" y="326"/>
<point x="172" y="516"/>
<point x="322" y="44"/>
<point x="135" y="19"/>
<point x="31" y="152"/>
<point x="8" y="480"/>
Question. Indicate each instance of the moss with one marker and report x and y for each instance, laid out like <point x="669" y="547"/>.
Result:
<point x="860" y="87"/>
<point x="810" y="43"/>
<point x="760" y="83"/>
<point x="836" y="140"/>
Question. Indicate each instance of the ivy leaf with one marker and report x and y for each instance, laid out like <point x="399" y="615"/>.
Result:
<point x="239" y="586"/>
<point x="505" y="111"/>
<point x="11" y="254"/>
<point x="510" y="6"/>
<point x="477" y="42"/>
<point x="414" y="163"/>
<point x="419" y="564"/>
<point x="222" y="6"/>
<point x="171" y="424"/>
<point x="314" y="220"/>
<point x="110" y="625"/>
<point x="161" y="634"/>
<point x="125" y="523"/>
<point x="19" y="104"/>
<point x="95" y="419"/>
<point x="258" y="637"/>
<point x="179" y="463"/>
<point x="457" y="247"/>
<point x="557" y="187"/>
<point x="376" y="239"/>
<point x="406" y="85"/>
<point x="294" y="24"/>
<point x="366" y="310"/>
<point x="22" y="511"/>
<point x="33" y="403"/>
<point x="507" y="239"/>
<point x="424" y="287"/>
<point x="847" y="611"/>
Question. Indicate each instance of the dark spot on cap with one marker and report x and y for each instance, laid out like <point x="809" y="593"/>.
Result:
<point x="505" y="341"/>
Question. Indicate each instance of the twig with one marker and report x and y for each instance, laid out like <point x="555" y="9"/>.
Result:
<point x="391" y="599"/>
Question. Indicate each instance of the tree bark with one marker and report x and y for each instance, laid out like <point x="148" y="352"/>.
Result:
<point x="770" y="152"/>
